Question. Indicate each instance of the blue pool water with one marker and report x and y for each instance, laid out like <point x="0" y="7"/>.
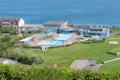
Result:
<point x="63" y="37"/>
<point x="56" y="42"/>
<point x="49" y="43"/>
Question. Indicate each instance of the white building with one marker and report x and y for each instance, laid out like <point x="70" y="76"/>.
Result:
<point x="14" y="22"/>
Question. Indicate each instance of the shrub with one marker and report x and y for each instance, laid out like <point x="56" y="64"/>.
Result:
<point x="87" y="35"/>
<point x="5" y="38"/>
<point x="87" y="42"/>
<point x="29" y="59"/>
<point x="9" y="72"/>
<point x="98" y="41"/>
<point x="25" y="58"/>
<point x="31" y="47"/>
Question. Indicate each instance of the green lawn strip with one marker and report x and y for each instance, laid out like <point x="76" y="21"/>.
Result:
<point x="46" y="37"/>
<point x="114" y="36"/>
<point x="64" y="56"/>
<point x="112" y="66"/>
<point x="115" y="29"/>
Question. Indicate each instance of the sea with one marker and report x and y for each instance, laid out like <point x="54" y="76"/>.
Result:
<point x="96" y="12"/>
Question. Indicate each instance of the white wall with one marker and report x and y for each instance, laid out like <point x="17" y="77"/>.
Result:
<point x="21" y="22"/>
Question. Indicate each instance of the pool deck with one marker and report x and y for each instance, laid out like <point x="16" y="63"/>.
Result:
<point x="71" y="40"/>
<point x="37" y="40"/>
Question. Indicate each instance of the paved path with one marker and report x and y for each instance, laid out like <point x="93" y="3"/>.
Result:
<point x="107" y="61"/>
<point x="115" y="59"/>
<point x="98" y="66"/>
<point x="114" y="38"/>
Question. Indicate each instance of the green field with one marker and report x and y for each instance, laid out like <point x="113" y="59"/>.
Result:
<point x="64" y="56"/>
<point x="112" y="66"/>
<point x="115" y="29"/>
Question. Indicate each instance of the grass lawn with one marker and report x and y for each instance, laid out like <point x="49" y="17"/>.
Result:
<point x="112" y="66"/>
<point x="115" y="29"/>
<point x="13" y="36"/>
<point x="47" y="37"/>
<point x="64" y="56"/>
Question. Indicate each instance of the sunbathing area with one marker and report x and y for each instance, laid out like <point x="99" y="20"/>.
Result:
<point x="54" y="40"/>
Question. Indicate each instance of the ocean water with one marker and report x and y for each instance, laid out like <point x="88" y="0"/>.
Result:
<point x="97" y="12"/>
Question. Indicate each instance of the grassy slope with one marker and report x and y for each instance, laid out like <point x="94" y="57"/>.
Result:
<point x="115" y="29"/>
<point x="112" y="66"/>
<point x="64" y="56"/>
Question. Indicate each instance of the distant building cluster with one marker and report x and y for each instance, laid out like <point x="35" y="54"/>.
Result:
<point x="55" y="26"/>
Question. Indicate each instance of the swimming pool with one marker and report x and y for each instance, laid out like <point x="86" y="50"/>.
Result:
<point x="50" y="43"/>
<point x="56" y="42"/>
<point x="63" y="37"/>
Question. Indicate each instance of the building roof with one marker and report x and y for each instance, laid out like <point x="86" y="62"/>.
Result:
<point x="66" y="29"/>
<point x="31" y="25"/>
<point x="26" y="39"/>
<point x="95" y="30"/>
<point x="53" y="23"/>
<point x="11" y="20"/>
<point x="98" y="30"/>
<point x="82" y="25"/>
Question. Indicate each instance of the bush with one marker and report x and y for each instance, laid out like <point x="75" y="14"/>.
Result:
<point x="87" y="35"/>
<point x="87" y="42"/>
<point x="31" y="47"/>
<point x="5" y="38"/>
<point x="26" y="58"/>
<point x="9" y="72"/>
<point x="98" y="41"/>
<point x="9" y="29"/>
<point x="19" y="55"/>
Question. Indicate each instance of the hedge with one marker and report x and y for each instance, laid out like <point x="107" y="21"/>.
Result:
<point x="9" y="72"/>
<point x="87" y="35"/>
<point x="31" y="47"/>
<point x="98" y="41"/>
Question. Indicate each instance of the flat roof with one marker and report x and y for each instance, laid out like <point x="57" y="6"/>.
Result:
<point x="83" y="63"/>
<point x="31" y="25"/>
<point x="11" y="20"/>
<point x="96" y="30"/>
<point x="25" y="39"/>
<point x="99" y="29"/>
<point x="55" y="22"/>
